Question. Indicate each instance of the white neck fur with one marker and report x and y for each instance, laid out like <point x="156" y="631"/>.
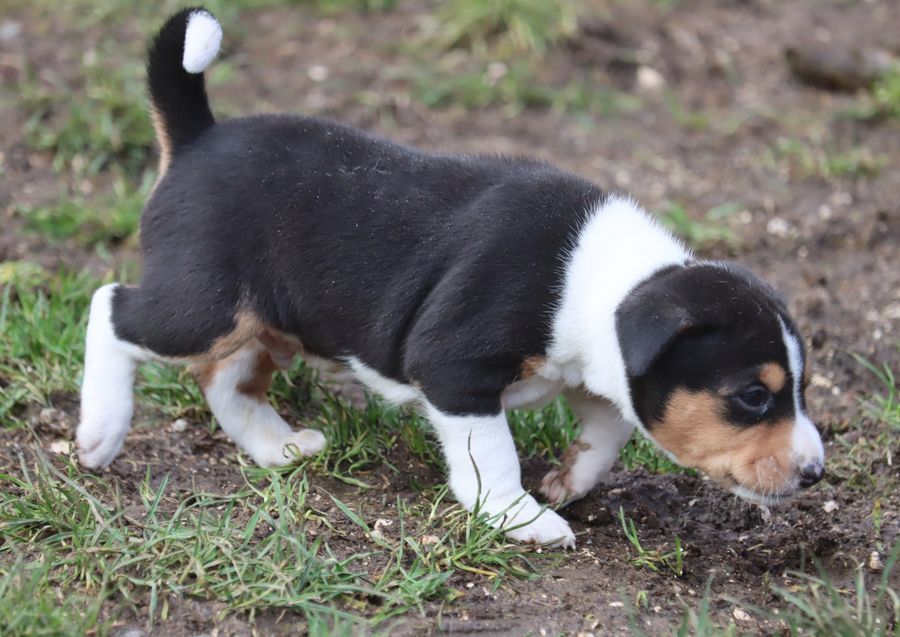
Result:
<point x="619" y="246"/>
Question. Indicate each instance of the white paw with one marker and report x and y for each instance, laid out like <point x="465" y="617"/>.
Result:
<point x="97" y="447"/>
<point x="547" y="528"/>
<point x="297" y="444"/>
<point x="306" y="442"/>
<point x="525" y="521"/>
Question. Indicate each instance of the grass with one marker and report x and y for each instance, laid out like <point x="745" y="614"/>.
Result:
<point x="515" y="86"/>
<point x="885" y="405"/>
<point x="699" y="622"/>
<point x="883" y="104"/>
<point x="259" y="548"/>
<point x="814" y="606"/>
<point x="104" y="220"/>
<point x="105" y="124"/>
<point x="29" y="607"/>
<point x="205" y="546"/>
<point x="818" y="605"/>
<point x="699" y="234"/>
<point x="804" y="159"/>
<point x="695" y="120"/>
<point x="867" y="462"/>
<point x="886" y="95"/>
<point x="654" y="560"/>
<point x="485" y="54"/>
<point x="506" y="27"/>
<point x="98" y="118"/>
<point x="43" y="330"/>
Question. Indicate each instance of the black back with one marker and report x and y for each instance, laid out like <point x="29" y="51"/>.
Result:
<point x="438" y="270"/>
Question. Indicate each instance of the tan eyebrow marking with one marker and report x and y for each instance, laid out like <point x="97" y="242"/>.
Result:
<point x="773" y="376"/>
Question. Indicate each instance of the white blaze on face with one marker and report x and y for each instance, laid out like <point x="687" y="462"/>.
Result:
<point x="806" y="442"/>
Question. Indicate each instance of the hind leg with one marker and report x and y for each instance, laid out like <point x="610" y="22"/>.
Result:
<point x="107" y="388"/>
<point x="235" y="388"/>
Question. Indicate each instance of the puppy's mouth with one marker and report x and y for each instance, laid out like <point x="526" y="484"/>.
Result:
<point x="766" y="499"/>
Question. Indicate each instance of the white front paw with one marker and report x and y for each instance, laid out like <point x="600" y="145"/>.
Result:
<point x="526" y="521"/>
<point x="98" y="445"/>
<point x="286" y="450"/>
<point x="306" y="442"/>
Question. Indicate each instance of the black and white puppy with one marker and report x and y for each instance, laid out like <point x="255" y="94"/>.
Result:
<point x="468" y="285"/>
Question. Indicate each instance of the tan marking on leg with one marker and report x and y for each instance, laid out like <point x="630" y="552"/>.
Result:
<point x="695" y="430"/>
<point x="165" y="143"/>
<point x="282" y="347"/>
<point x="571" y="453"/>
<point x="204" y="366"/>
<point x="246" y="327"/>
<point x="257" y="385"/>
<point x="773" y="376"/>
<point x="530" y="366"/>
<point x="204" y="373"/>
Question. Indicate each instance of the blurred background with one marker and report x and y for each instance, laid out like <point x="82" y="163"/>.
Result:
<point x="758" y="130"/>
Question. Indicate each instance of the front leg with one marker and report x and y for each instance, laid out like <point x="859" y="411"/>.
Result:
<point x="484" y="469"/>
<point x="603" y="434"/>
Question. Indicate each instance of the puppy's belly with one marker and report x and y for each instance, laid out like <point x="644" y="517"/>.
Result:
<point x="531" y="393"/>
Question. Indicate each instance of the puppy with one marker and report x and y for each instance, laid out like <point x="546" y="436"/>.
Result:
<point x="467" y="285"/>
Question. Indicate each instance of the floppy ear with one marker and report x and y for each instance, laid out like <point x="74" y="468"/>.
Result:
<point x="647" y="323"/>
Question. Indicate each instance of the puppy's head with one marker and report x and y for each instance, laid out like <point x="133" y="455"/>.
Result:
<point x="717" y="373"/>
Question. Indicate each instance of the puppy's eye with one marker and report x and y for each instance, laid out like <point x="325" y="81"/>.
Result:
<point x="755" y="399"/>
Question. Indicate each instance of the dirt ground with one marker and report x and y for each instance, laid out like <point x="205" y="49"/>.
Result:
<point x="829" y="243"/>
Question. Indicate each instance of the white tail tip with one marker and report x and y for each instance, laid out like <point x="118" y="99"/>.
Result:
<point x="201" y="41"/>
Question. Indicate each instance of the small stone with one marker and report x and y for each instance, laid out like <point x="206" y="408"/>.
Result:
<point x="318" y="72"/>
<point x="9" y="30"/>
<point x="650" y="79"/>
<point x="834" y="67"/>
<point x="377" y="530"/>
<point x="496" y="70"/>
<point x="821" y="381"/>
<point x="60" y="447"/>
<point x="777" y="226"/>
<point x="875" y="563"/>
<point x="830" y="506"/>
<point x="741" y="615"/>
<point x="48" y="415"/>
<point x="179" y="425"/>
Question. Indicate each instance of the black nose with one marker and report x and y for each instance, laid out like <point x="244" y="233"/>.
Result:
<point x="811" y="474"/>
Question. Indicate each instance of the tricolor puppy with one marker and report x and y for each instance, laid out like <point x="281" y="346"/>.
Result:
<point x="468" y="285"/>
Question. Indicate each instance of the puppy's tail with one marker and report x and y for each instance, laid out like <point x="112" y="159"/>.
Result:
<point x="180" y="52"/>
